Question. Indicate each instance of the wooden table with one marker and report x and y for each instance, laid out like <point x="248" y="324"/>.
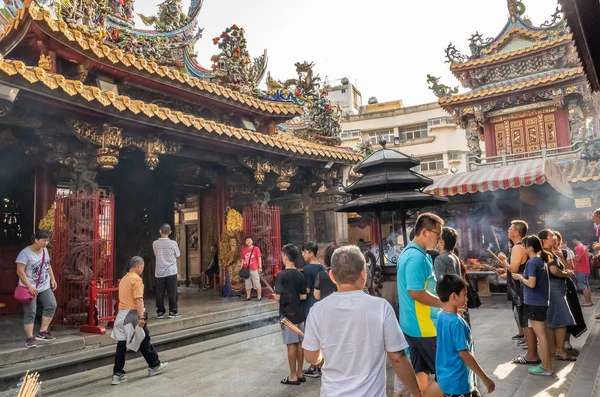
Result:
<point x="483" y="282"/>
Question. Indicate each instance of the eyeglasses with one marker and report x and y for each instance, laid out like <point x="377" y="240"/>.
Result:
<point x="438" y="234"/>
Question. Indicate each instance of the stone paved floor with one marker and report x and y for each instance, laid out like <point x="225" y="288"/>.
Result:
<point x="255" y="368"/>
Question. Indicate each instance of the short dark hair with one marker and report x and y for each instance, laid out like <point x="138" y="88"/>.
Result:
<point x="411" y="235"/>
<point x="448" y="285"/>
<point x="40" y="235"/>
<point x="311" y="246"/>
<point x="290" y="251"/>
<point x="576" y="236"/>
<point x="347" y="263"/>
<point x="427" y="221"/>
<point x="329" y="253"/>
<point x="450" y="237"/>
<point x="165" y="229"/>
<point x="521" y="227"/>
<point x="544" y="234"/>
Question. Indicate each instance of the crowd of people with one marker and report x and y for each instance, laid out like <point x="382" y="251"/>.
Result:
<point x="346" y="335"/>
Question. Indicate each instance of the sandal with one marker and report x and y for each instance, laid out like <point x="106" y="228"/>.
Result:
<point x="518" y="337"/>
<point x="286" y="381"/>
<point x="568" y="357"/>
<point x="303" y="379"/>
<point x="523" y="360"/>
<point x="587" y="304"/>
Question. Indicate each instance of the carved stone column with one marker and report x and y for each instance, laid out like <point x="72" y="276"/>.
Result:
<point x="576" y="120"/>
<point x="473" y="130"/>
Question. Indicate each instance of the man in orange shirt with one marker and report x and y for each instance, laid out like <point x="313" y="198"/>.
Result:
<point x="131" y="316"/>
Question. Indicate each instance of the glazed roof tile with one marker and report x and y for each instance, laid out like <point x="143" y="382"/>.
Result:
<point x="516" y="84"/>
<point x="95" y="45"/>
<point x="511" y="54"/>
<point x="581" y="171"/>
<point x="289" y="143"/>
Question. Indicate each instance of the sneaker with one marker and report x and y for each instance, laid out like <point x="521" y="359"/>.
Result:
<point x="157" y="370"/>
<point x="258" y="299"/>
<point x="518" y="337"/>
<point x="44" y="337"/>
<point x="538" y="370"/>
<point x="118" y="379"/>
<point x="174" y="315"/>
<point x="160" y="316"/>
<point x="30" y="342"/>
<point x="312" y="372"/>
<point x="568" y="346"/>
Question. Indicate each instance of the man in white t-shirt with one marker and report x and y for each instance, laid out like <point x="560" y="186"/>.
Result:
<point x="165" y="273"/>
<point x="353" y="332"/>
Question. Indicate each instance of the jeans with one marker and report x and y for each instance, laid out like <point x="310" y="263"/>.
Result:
<point x="148" y="351"/>
<point x="169" y="284"/>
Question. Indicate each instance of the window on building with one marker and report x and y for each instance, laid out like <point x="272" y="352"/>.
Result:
<point x="343" y="90"/>
<point x="432" y="163"/>
<point x="388" y="135"/>
<point x="350" y="134"/>
<point x="413" y="132"/>
<point x="357" y="100"/>
<point x="440" y="121"/>
<point x="454" y="156"/>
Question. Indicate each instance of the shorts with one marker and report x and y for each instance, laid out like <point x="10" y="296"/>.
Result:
<point x="519" y="312"/>
<point x="536" y="313"/>
<point x="289" y="336"/>
<point x="253" y="281"/>
<point x="422" y="353"/>
<point x="474" y="393"/>
<point x="582" y="281"/>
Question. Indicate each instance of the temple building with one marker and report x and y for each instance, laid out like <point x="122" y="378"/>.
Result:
<point x="529" y="104"/>
<point x="92" y="106"/>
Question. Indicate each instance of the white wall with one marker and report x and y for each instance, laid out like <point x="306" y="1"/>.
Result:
<point x="440" y="139"/>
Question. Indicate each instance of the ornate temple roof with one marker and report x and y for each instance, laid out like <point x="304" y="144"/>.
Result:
<point x="94" y="47"/>
<point x="520" y="57"/>
<point x="516" y="84"/>
<point x="279" y="142"/>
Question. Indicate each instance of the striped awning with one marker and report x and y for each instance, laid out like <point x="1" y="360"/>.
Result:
<point x="526" y="173"/>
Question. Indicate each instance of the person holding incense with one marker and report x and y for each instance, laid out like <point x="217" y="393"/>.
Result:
<point x="536" y="297"/>
<point x="559" y="313"/>
<point x="290" y="291"/>
<point x="130" y="329"/>
<point x="518" y="257"/>
<point x="355" y="332"/>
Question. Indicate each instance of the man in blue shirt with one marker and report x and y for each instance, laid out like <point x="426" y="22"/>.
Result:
<point x="419" y="304"/>
<point x="455" y="364"/>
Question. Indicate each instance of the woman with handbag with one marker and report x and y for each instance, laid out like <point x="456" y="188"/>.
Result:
<point x="36" y="283"/>
<point x="251" y="268"/>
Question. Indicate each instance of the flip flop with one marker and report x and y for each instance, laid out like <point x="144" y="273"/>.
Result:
<point x="303" y="379"/>
<point x="568" y="357"/>
<point x="523" y="360"/>
<point x="286" y="381"/>
<point x="587" y="304"/>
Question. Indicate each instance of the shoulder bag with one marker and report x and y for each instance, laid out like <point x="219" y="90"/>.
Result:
<point x="245" y="270"/>
<point x="22" y="294"/>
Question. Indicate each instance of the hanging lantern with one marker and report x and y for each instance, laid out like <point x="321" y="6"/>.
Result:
<point x="259" y="176"/>
<point x="283" y="183"/>
<point x="151" y="161"/>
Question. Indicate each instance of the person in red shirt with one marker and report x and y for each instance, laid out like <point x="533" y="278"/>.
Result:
<point x="252" y="260"/>
<point x="582" y="270"/>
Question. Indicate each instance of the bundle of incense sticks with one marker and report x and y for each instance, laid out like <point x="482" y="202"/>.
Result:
<point x="291" y="326"/>
<point x="494" y="256"/>
<point x="496" y="238"/>
<point x="30" y="385"/>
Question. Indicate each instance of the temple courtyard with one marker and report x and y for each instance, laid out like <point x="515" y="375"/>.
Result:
<point x="251" y="363"/>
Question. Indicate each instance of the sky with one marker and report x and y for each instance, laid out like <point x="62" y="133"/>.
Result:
<point x="386" y="47"/>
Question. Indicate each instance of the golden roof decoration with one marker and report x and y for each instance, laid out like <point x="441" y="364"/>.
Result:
<point x="94" y="44"/>
<point x="580" y="171"/>
<point x="502" y="89"/>
<point x="122" y="103"/>
<point x="511" y="54"/>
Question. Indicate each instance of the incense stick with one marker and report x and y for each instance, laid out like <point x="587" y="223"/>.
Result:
<point x="496" y="237"/>
<point x="30" y="385"/>
<point x="494" y="256"/>
<point x="291" y="326"/>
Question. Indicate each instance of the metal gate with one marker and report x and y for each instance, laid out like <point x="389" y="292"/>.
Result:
<point x="263" y="225"/>
<point x="83" y="260"/>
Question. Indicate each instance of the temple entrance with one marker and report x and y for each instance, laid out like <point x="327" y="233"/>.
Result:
<point x="187" y="235"/>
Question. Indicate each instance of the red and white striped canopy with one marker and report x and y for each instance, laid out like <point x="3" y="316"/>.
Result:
<point x="526" y="173"/>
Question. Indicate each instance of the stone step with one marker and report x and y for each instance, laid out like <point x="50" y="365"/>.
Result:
<point x="137" y="366"/>
<point x="97" y="355"/>
<point x="17" y="353"/>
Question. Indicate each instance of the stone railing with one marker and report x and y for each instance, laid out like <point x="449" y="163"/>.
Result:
<point x="571" y="152"/>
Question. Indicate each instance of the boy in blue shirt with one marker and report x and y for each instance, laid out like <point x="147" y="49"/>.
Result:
<point x="455" y="365"/>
